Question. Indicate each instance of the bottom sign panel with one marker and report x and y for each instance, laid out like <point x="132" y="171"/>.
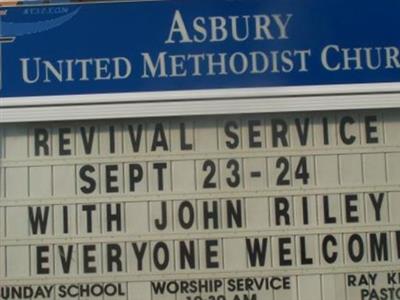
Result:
<point x="367" y="285"/>
<point x="238" y="207"/>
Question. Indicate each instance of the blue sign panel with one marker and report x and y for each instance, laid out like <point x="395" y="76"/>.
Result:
<point x="158" y="46"/>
